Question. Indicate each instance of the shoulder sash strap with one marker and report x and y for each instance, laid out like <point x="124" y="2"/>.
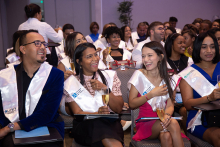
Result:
<point x="197" y="81"/>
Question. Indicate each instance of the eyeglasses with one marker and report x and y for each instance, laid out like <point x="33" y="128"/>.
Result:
<point x="37" y="43"/>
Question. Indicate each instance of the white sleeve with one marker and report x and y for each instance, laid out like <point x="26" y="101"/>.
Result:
<point x="52" y="34"/>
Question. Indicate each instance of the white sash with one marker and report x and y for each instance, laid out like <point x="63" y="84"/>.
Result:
<point x="66" y="63"/>
<point x="201" y="85"/>
<point x="197" y="81"/>
<point x="9" y="92"/>
<point x="144" y="86"/>
<point x="12" y="57"/>
<point x="82" y="97"/>
<point x="89" y="39"/>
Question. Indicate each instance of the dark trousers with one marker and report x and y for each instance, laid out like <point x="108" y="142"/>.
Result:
<point x="7" y="141"/>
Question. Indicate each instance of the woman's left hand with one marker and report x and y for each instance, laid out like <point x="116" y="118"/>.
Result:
<point x="166" y="121"/>
<point x="97" y="85"/>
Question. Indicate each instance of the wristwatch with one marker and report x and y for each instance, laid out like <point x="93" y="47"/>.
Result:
<point x="11" y="127"/>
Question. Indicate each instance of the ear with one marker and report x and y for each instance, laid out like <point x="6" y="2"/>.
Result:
<point x="151" y="32"/>
<point x="77" y="60"/>
<point x="193" y="39"/>
<point x="22" y="49"/>
<point x="162" y="56"/>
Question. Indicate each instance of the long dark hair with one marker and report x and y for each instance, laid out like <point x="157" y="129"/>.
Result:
<point x="123" y="34"/>
<point x="71" y="44"/>
<point x="162" y="65"/>
<point x="169" y="43"/>
<point x="78" y="55"/>
<point x="31" y="10"/>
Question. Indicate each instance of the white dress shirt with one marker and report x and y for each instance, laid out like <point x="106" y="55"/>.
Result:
<point x="135" y="36"/>
<point x="44" y="29"/>
<point x="136" y="54"/>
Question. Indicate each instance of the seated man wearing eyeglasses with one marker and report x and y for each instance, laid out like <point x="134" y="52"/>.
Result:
<point x="30" y="92"/>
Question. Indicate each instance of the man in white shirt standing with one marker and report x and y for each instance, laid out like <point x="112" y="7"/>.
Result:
<point x="173" y="21"/>
<point x="141" y="32"/>
<point x="33" y="13"/>
<point x="155" y="33"/>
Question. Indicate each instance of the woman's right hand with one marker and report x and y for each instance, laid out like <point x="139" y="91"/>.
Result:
<point x="103" y="110"/>
<point x="68" y="73"/>
<point x="159" y="91"/>
<point x="214" y="95"/>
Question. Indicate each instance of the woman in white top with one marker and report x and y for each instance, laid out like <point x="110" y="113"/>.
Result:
<point x="33" y="13"/>
<point x="126" y="37"/>
<point x="94" y="28"/>
<point x="72" y="41"/>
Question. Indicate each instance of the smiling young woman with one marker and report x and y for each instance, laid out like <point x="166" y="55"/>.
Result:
<point x="150" y="85"/>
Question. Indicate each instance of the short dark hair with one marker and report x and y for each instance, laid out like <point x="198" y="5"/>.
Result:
<point x="68" y="26"/>
<point x="190" y="32"/>
<point x="92" y="24"/>
<point x="31" y="10"/>
<point x="162" y="65"/>
<point x="78" y="55"/>
<point x="71" y="44"/>
<point x="146" y="23"/>
<point x="207" y="22"/>
<point x="169" y="43"/>
<point x="152" y="26"/>
<point x="173" y="19"/>
<point x="22" y="40"/>
<point x="214" y="30"/>
<point x="173" y="30"/>
<point x="141" y="24"/>
<point x="197" y="20"/>
<point x="112" y="24"/>
<point x="198" y="44"/>
<point x="111" y="30"/>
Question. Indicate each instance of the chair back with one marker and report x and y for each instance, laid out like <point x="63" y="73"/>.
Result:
<point x="124" y="76"/>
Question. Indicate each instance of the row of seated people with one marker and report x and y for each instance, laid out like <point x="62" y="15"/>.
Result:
<point x="172" y="51"/>
<point x="86" y="60"/>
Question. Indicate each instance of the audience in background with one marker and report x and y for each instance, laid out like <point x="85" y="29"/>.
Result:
<point x="173" y="21"/>
<point x="155" y="33"/>
<point x="102" y="43"/>
<point x="67" y="30"/>
<point x="94" y="28"/>
<point x="33" y="13"/>
<point x="166" y="24"/>
<point x="147" y="25"/>
<point x="197" y="22"/>
<point x="168" y="31"/>
<point x="206" y="64"/>
<point x="190" y="37"/>
<point x="140" y="35"/>
<point x="113" y="36"/>
<point x="127" y="38"/>
<point x="215" y="24"/>
<point x="12" y="58"/>
<point x="205" y="26"/>
<point x="216" y="32"/>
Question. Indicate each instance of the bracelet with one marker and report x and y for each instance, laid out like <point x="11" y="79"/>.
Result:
<point x="208" y="98"/>
<point x="168" y="114"/>
<point x="146" y="97"/>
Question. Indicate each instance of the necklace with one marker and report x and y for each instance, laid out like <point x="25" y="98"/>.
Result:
<point x="177" y="67"/>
